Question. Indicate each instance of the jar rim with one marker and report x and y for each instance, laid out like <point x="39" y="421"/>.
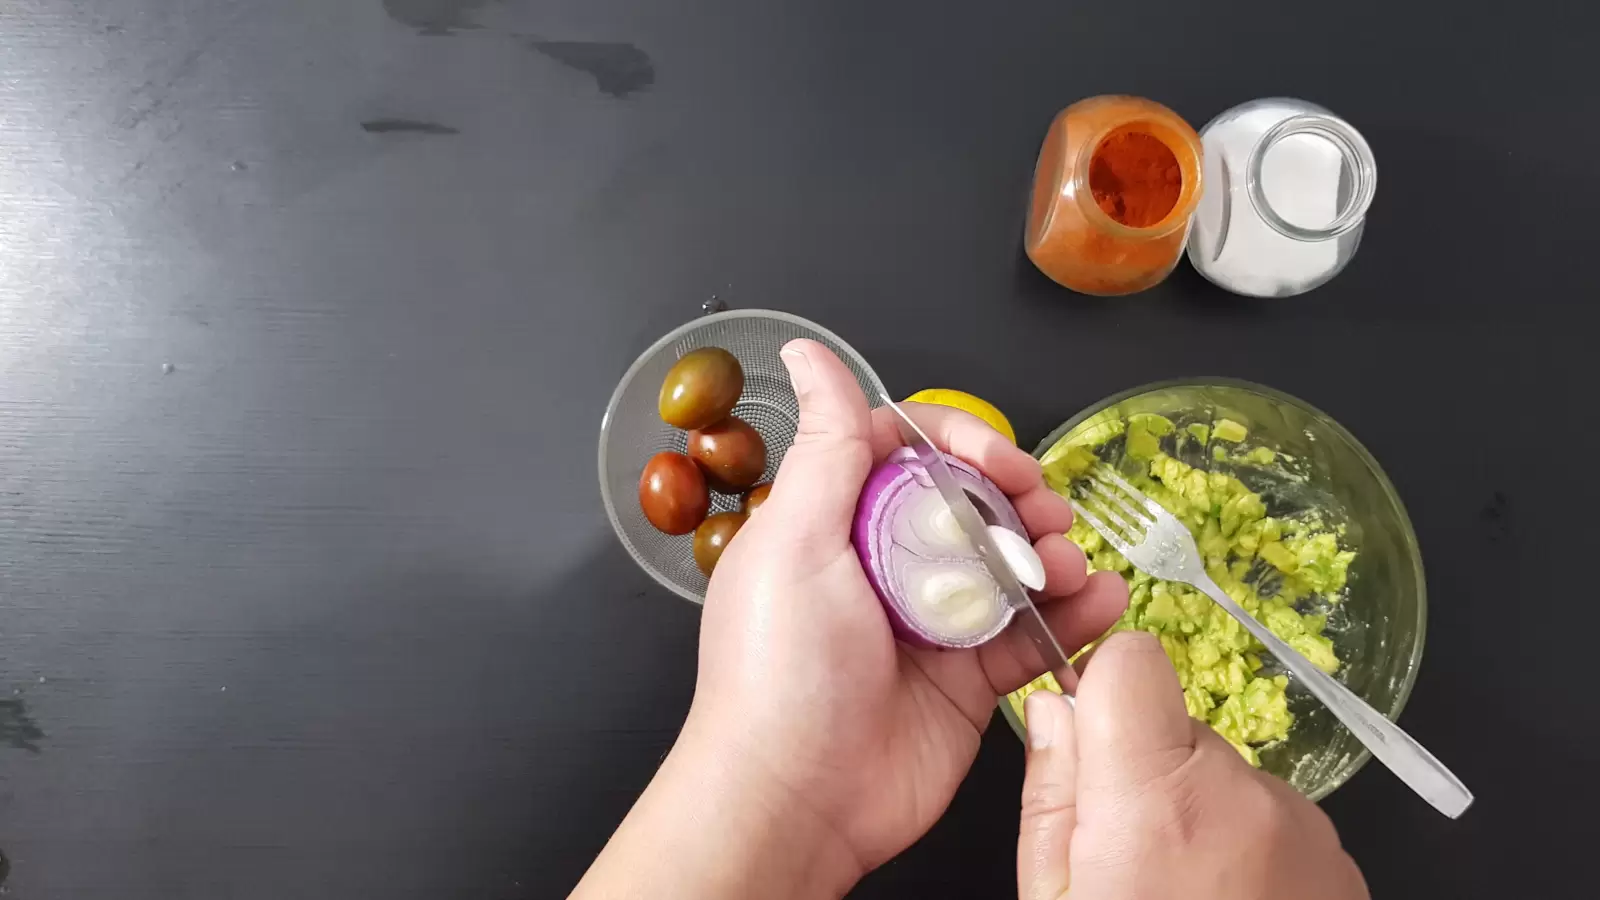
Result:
<point x="1355" y="156"/>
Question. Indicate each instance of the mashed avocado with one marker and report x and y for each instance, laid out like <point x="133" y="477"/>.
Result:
<point x="1274" y="568"/>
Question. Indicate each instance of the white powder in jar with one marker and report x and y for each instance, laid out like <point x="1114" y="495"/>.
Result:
<point x="1300" y="176"/>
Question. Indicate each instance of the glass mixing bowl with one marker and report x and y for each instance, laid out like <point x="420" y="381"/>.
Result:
<point x="1378" y="629"/>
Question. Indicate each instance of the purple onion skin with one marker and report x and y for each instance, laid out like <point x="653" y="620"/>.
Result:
<point x="901" y="471"/>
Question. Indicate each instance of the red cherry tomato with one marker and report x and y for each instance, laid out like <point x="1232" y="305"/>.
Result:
<point x="673" y="494"/>
<point x="730" y="452"/>
<point x="712" y="537"/>
<point x="755" y="497"/>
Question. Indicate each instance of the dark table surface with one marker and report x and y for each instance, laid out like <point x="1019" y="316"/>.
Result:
<point x="309" y="310"/>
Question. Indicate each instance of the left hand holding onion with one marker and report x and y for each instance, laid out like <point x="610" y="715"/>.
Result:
<point x="803" y="689"/>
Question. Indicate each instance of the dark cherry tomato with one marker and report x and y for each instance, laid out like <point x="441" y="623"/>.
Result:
<point x="672" y="493"/>
<point x="757" y="495"/>
<point x="730" y="452"/>
<point x="712" y="537"/>
<point x="701" y="388"/>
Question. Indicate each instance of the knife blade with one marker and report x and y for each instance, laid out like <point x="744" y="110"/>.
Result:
<point x="972" y="525"/>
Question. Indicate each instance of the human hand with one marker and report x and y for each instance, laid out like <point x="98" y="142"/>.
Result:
<point x="1128" y="797"/>
<point x="801" y="683"/>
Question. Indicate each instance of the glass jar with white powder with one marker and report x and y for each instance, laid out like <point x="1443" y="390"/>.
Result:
<point x="1288" y="184"/>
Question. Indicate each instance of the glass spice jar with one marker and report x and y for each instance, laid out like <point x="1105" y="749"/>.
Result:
<point x="1117" y="179"/>
<point x="1288" y="186"/>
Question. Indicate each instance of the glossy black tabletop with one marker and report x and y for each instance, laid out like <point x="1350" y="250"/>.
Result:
<point x="309" y="310"/>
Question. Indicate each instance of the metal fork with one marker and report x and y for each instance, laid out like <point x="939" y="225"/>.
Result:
<point x="1156" y="543"/>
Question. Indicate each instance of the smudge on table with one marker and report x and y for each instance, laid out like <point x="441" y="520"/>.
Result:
<point x="17" y="728"/>
<point x="434" y="17"/>
<point x="618" y="69"/>
<point x="405" y="126"/>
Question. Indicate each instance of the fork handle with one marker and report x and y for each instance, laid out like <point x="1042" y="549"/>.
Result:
<point x="1393" y="747"/>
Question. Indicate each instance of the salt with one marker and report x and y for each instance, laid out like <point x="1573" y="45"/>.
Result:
<point x="1306" y="180"/>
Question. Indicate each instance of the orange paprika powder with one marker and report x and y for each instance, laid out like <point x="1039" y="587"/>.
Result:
<point x="1116" y="182"/>
<point x="1134" y="178"/>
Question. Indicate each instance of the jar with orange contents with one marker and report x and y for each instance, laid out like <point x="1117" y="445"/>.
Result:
<point x="1116" y="183"/>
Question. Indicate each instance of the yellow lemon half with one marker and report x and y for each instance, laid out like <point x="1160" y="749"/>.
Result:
<point x="965" y="402"/>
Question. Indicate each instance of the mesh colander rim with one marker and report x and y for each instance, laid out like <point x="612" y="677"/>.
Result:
<point x="666" y="340"/>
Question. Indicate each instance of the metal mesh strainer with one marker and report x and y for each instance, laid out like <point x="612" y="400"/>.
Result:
<point x="632" y="430"/>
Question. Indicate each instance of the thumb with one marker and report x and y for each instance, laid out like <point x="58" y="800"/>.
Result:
<point x="1049" y="798"/>
<point x="817" y="486"/>
<point x="1132" y="724"/>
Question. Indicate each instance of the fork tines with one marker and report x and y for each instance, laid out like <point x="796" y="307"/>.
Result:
<point x="1107" y="503"/>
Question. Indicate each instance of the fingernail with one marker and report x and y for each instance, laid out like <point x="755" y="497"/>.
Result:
<point x="799" y="370"/>
<point x="1040" y="713"/>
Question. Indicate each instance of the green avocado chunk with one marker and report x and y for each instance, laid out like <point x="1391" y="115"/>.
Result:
<point x="1230" y="431"/>
<point x="1218" y="662"/>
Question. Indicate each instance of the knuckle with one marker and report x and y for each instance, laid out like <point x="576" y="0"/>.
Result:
<point x="813" y="424"/>
<point x="1354" y="877"/>
<point x="1176" y="811"/>
<point x="1262" y="804"/>
<point x="1046" y="799"/>
<point x="1317" y="821"/>
<point x="1270" y="811"/>
<point x="1158" y="772"/>
<point x="1187" y="815"/>
<point x="1185" y="801"/>
<point x="1137" y="643"/>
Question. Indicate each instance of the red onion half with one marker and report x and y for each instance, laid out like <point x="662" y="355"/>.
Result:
<point x="931" y="581"/>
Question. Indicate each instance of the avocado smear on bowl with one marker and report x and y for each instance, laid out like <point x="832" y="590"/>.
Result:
<point x="1285" y="572"/>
